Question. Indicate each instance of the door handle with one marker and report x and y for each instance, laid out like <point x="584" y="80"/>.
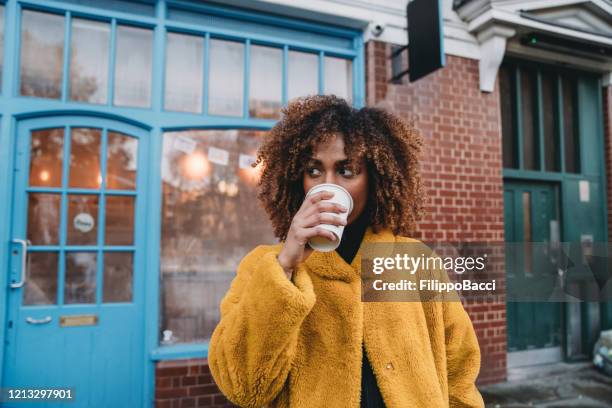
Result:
<point x="24" y="257"/>
<point x="44" y="320"/>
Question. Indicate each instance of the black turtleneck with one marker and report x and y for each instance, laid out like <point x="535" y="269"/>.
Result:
<point x="349" y="245"/>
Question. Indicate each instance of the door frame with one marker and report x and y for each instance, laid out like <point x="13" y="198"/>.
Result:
<point x="14" y="206"/>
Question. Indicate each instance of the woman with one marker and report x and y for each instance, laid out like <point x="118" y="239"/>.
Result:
<point x="293" y="330"/>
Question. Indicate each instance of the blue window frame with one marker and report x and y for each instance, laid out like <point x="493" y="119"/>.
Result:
<point x="161" y="17"/>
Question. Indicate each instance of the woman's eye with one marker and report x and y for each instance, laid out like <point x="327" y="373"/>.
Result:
<point x="313" y="171"/>
<point x="346" y="172"/>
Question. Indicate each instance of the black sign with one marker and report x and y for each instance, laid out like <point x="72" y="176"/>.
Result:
<point x="425" y="38"/>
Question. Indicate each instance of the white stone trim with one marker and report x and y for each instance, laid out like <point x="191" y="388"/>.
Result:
<point x="492" y="49"/>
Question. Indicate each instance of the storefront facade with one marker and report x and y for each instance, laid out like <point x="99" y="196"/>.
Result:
<point x="126" y="133"/>
<point x="128" y="129"/>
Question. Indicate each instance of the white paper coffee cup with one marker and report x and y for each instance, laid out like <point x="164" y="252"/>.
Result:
<point x="342" y="197"/>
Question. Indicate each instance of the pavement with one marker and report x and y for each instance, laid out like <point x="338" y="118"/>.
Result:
<point x="556" y="385"/>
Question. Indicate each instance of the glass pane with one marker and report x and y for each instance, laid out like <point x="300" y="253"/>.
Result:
<point x="121" y="162"/>
<point x="119" y="220"/>
<point x="89" y="55"/>
<point x="529" y="120"/>
<point x="41" y="282"/>
<point x="184" y="73"/>
<point x="210" y="219"/>
<point x="226" y="78"/>
<point x="266" y="84"/>
<point x="43" y="218"/>
<point x="549" y="100"/>
<point x="507" y="98"/>
<point x="303" y="74"/>
<point x="527" y="231"/>
<point x="118" y="267"/>
<point x="133" y="67"/>
<point x="46" y="157"/>
<point x="85" y="158"/>
<point x="1" y="42"/>
<point x="572" y="150"/>
<point x="82" y="223"/>
<point x="80" y="280"/>
<point x="42" y="54"/>
<point x="339" y="77"/>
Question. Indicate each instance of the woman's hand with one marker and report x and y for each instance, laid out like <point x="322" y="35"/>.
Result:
<point x="305" y="225"/>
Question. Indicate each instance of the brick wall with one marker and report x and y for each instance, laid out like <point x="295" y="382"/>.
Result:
<point x="186" y="383"/>
<point x="461" y="167"/>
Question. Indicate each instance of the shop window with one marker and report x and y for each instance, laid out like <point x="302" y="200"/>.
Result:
<point x="1" y="42"/>
<point x="572" y="153"/>
<point x="42" y="54"/>
<point x="210" y="220"/>
<point x="184" y="73"/>
<point x="539" y="116"/>
<point x="550" y="119"/>
<point x="529" y="119"/>
<point x="303" y="74"/>
<point x="89" y="52"/>
<point x="338" y="77"/>
<point x="506" y="86"/>
<point x="266" y="82"/>
<point x="226" y="78"/>
<point x="133" y="67"/>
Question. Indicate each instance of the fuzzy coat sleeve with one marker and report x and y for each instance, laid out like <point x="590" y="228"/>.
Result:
<point x="253" y="346"/>
<point x="462" y="357"/>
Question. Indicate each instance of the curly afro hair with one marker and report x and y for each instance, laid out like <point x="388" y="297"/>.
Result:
<point x="391" y="148"/>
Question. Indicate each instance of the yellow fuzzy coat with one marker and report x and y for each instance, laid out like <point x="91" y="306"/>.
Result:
<point x="284" y="344"/>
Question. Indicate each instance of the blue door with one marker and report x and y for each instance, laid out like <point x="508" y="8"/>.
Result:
<point x="76" y="267"/>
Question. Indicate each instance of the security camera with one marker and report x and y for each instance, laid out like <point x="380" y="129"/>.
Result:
<point x="377" y="29"/>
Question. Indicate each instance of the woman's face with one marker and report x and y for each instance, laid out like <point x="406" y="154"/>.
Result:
<point x="329" y="164"/>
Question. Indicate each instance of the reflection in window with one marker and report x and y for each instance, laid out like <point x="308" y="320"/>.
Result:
<point x="46" y="156"/>
<point x="82" y="223"/>
<point x="266" y="82"/>
<point x="121" y="161"/>
<point x="42" y="54"/>
<point x="210" y="220"/>
<point x="118" y="267"/>
<point x="303" y="74"/>
<point x="43" y="218"/>
<point x="85" y="158"/>
<point x="339" y="77"/>
<point x="119" y="220"/>
<point x="80" y="281"/>
<point x="184" y="73"/>
<point x="89" y="52"/>
<point x="226" y="78"/>
<point x="133" y="67"/>
<point x="41" y="287"/>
